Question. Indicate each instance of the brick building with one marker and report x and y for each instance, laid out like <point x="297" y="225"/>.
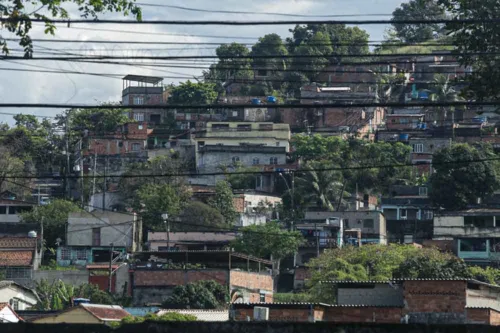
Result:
<point x="144" y="90"/>
<point x="155" y="274"/>
<point x="417" y="301"/>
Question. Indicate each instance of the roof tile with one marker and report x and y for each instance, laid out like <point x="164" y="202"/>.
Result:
<point x="18" y="242"/>
<point x="16" y="258"/>
<point x="106" y="312"/>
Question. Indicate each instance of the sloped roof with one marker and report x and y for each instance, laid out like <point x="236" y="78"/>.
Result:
<point x="202" y="315"/>
<point x="18" y="242"/>
<point x="106" y="312"/>
<point x="16" y="258"/>
<point x="6" y="305"/>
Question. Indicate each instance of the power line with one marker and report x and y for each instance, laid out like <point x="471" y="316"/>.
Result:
<point x="255" y="23"/>
<point x="230" y="106"/>
<point x="253" y="13"/>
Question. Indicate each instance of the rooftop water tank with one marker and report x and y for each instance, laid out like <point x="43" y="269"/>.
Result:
<point x="271" y="99"/>
<point x="255" y="101"/>
<point x="403" y="137"/>
<point x="32" y="234"/>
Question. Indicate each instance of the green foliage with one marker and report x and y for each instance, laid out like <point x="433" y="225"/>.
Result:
<point x="292" y="298"/>
<point x="380" y="263"/>
<point x="488" y="275"/>
<point x="268" y="239"/>
<point x="154" y="318"/>
<point x="58" y="295"/>
<point x="54" y="217"/>
<point x="190" y="93"/>
<point x="100" y="121"/>
<point x="420" y="10"/>
<point x="21" y="16"/>
<point x="207" y="294"/>
<point x="10" y="167"/>
<point x="229" y="69"/>
<point x="475" y="46"/>
<point x="244" y="179"/>
<point x="199" y="216"/>
<point x="223" y="202"/>
<point x="52" y="266"/>
<point x="155" y="199"/>
<point x="318" y="46"/>
<point x="455" y="185"/>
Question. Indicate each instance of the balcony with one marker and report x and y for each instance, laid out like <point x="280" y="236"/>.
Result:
<point x="142" y="90"/>
<point x="242" y="149"/>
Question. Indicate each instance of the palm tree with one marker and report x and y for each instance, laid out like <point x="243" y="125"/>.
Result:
<point x="444" y="92"/>
<point x="320" y="186"/>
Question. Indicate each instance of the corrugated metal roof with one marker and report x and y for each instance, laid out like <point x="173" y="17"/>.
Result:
<point x="316" y="304"/>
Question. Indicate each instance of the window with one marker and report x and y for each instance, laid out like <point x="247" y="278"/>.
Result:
<point x="427" y="215"/>
<point x="139" y="100"/>
<point x="81" y="254"/>
<point x="266" y="127"/>
<point x="236" y="159"/>
<point x="244" y="128"/>
<point x="235" y="113"/>
<point x="346" y="223"/>
<point x="140" y="127"/>
<point x="422" y="191"/>
<point x="403" y="120"/>
<point x="277" y="144"/>
<point x="478" y="221"/>
<point x="3" y="210"/>
<point x="403" y="214"/>
<point x="139" y="116"/>
<point x="220" y="127"/>
<point x="136" y="146"/>
<point x="262" y="298"/>
<point x="65" y="253"/>
<point x="255" y="161"/>
<point x="96" y="236"/>
<point x="12" y="210"/>
<point x="18" y="273"/>
<point x="273" y="160"/>
<point x="418" y="148"/>
<point x="14" y="303"/>
<point x="368" y="223"/>
<point x="473" y="245"/>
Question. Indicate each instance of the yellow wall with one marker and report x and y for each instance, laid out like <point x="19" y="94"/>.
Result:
<point x="75" y="316"/>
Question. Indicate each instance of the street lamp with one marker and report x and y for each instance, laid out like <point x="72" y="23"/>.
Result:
<point x="164" y="216"/>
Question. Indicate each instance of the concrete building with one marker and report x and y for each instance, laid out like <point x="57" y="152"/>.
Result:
<point x="247" y="144"/>
<point x="404" y="121"/>
<point x="423" y="149"/>
<point x="473" y="233"/>
<point x="254" y="207"/>
<point x="189" y="241"/>
<point x="156" y="274"/>
<point x="409" y="213"/>
<point x="17" y="296"/>
<point x="11" y="206"/>
<point x="91" y="235"/>
<point x="144" y="90"/>
<point x="428" y="301"/>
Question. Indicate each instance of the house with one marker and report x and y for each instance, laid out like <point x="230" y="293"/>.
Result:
<point x="19" y="257"/>
<point x="246" y="144"/>
<point x="201" y="315"/>
<point x="401" y="122"/>
<point x="14" y="229"/>
<point x="91" y="235"/>
<point x="409" y="214"/>
<point x="423" y="150"/>
<point x="11" y="206"/>
<point x="17" y="296"/>
<point x="85" y="314"/>
<point x="411" y="301"/>
<point x="473" y="233"/>
<point x="154" y="275"/>
<point x="8" y="314"/>
<point x="144" y="90"/>
<point x="189" y="241"/>
<point x="254" y="207"/>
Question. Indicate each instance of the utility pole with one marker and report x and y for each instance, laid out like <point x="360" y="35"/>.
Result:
<point x="167" y="226"/>
<point x="93" y="180"/>
<point x="67" y="155"/>
<point x="105" y="184"/>
<point x="110" y="268"/>
<point x="82" y="190"/>
<point x="317" y="239"/>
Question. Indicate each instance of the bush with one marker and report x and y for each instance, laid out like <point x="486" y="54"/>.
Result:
<point x="198" y="295"/>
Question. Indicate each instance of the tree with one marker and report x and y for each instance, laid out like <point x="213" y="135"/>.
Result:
<point x="58" y="295"/>
<point x="444" y="92"/>
<point x="223" y="202"/>
<point x="199" y="216"/>
<point x="101" y="121"/>
<point x="462" y="175"/>
<point x="152" y="317"/>
<point x="231" y="66"/>
<point x="244" y="178"/>
<point x="153" y="200"/>
<point x="268" y="240"/>
<point x="314" y="55"/>
<point x="189" y="93"/>
<point x="20" y="17"/>
<point x="54" y="217"/>
<point x="320" y="187"/>
<point x="207" y="294"/>
<point x="475" y="45"/>
<point x="270" y="45"/>
<point x="425" y="266"/>
<point x="418" y="10"/>
<point x="10" y="168"/>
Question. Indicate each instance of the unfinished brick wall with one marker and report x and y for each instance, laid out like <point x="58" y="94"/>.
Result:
<point x="178" y="277"/>
<point x="434" y="296"/>
<point x="478" y="316"/>
<point x="276" y="314"/>
<point x="494" y="317"/>
<point x="364" y="314"/>
<point x="251" y="281"/>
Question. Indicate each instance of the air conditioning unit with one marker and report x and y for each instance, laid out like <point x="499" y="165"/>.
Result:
<point x="260" y="313"/>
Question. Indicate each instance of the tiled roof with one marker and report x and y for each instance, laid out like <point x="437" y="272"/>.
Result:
<point x="6" y="305"/>
<point x="291" y="304"/>
<point x="106" y="312"/>
<point x="18" y="242"/>
<point x="202" y="315"/>
<point x="16" y="258"/>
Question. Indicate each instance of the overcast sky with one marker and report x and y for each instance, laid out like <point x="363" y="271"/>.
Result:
<point x="29" y="87"/>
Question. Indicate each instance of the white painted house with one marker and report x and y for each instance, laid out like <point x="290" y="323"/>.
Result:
<point x="7" y="314"/>
<point x="17" y="296"/>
